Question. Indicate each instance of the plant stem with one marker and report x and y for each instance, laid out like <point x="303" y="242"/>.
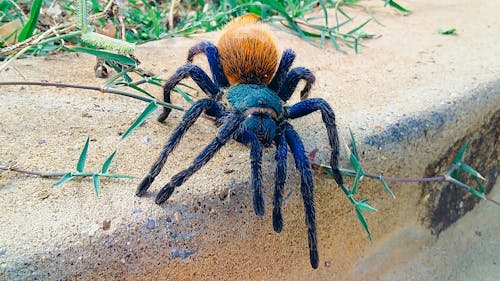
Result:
<point x="95" y="88"/>
<point x="35" y="173"/>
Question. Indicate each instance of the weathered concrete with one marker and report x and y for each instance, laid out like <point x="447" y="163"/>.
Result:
<point x="411" y="97"/>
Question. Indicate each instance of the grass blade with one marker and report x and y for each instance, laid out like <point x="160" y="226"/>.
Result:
<point x="396" y="5"/>
<point x="460" y="155"/>
<point x="363" y="206"/>
<point x="30" y="26"/>
<point x="105" y="55"/>
<point x="471" y="171"/>
<point x="83" y="157"/>
<point x="386" y="187"/>
<point x="116" y="176"/>
<point x="107" y="163"/>
<point x="63" y="179"/>
<point x="144" y="115"/>
<point x="97" y="184"/>
<point x="353" y="144"/>
<point x="363" y="222"/>
<point x="450" y="31"/>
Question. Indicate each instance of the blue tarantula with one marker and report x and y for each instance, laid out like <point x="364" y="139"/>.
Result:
<point x="243" y="64"/>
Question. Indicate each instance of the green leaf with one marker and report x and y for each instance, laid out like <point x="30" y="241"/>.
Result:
<point x="184" y="95"/>
<point x="144" y="115"/>
<point x="63" y="179"/>
<point x="117" y="176"/>
<point x="97" y="183"/>
<point x="460" y="155"/>
<point x="108" y="161"/>
<point x="471" y="171"/>
<point x="83" y="157"/>
<point x="450" y="31"/>
<point x="396" y="5"/>
<point x="363" y="206"/>
<point x="363" y="222"/>
<point x="30" y="26"/>
<point x="386" y="187"/>
<point x="105" y="55"/>
<point x="353" y="144"/>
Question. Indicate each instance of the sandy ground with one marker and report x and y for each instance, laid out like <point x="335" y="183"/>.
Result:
<point x="69" y="233"/>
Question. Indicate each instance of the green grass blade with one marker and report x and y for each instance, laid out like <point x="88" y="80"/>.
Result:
<point x="479" y="185"/>
<point x="468" y="169"/>
<point x="105" y="55"/>
<point x="63" y="179"/>
<point x="116" y="176"/>
<point x="353" y="144"/>
<point x="363" y="206"/>
<point x="396" y="5"/>
<point x="460" y="155"/>
<point x="107" y="163"/>
<point x="184" y="95"/>
<point x="97" y="184"/>
<point x="137" y="88"/>
<point x="450" y="31"/>
<point x="363" y="222"/>
<point x="83" y="157"/>
<point x="144" y="115"/>
<point x="359" y="27"/>
<point x="386" y="187"/>
<point x="30" y="26"/>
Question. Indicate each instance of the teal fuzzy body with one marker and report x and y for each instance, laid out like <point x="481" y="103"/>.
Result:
<point x="263" y="107"/>
<point x="243" y="96"/>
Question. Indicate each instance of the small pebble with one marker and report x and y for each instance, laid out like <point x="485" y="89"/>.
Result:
<point x="137" y="210"/>
<point x="183" y="254"/>
<point x="151" y="224"/>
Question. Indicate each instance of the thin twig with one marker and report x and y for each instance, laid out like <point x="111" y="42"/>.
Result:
<point x="95" y="88"/>
<point x="34" y="173"/>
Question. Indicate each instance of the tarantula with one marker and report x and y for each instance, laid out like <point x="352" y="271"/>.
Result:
<point x="244" y="67"/>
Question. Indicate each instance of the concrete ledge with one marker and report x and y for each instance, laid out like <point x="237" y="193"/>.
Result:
<point x="411" y="97"/>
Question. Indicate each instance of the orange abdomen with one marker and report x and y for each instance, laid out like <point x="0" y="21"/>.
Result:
<point x="248" y="51"/>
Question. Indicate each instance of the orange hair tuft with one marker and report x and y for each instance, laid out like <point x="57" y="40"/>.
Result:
<point x="248" y="51"/>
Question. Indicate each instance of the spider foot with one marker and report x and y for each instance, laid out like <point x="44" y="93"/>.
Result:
<point x="164" y="194"/>
<point x="258" y="205"/>
<point x="164" y="114"/>
<point x="144" y="185"/>
<point x="277" y="220"/>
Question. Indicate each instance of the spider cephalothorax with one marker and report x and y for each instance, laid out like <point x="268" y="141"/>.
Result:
<point x="244" y="66"/>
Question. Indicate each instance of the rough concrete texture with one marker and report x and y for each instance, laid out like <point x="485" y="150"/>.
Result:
<point x="409" y="96"/>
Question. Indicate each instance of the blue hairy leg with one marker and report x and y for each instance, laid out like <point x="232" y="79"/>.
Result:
<point x="210" y="50"/>
<point x="189" y="118"/>
<point x="249" y="138"/>
<point x="286" y="62"/>
<point x="227" y="131"/>
<point x="292" y="79"/>
<point x="308" y="106"/>
<point x="279" y="181"/>
<point x="198" y="75"/>
<point x="306" y="188"/>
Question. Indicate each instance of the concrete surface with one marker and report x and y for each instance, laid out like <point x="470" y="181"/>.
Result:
<point x="412" y="96"/>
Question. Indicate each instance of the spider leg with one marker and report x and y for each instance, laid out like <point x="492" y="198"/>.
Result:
<point x="286" y="62"/>
<point x="292" y="79"/>
<point x="247" y="137"/>
<point x="227" y="131"/>
<point x="189" y="118"/>
<point x="198" y="75"/>
<point x="210" y="50"/>
<point x="306" y="188"/>
<point x="310" y="105"/>
<point x="280" y="177"/>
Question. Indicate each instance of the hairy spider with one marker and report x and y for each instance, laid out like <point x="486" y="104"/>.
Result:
<point x="242" y="66"/>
